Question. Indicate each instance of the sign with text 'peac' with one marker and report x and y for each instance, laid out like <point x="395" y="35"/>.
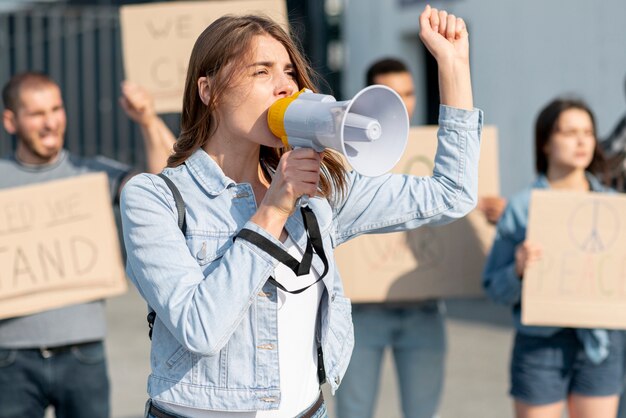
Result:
<point x="157" y="39"/>
<point x="428" y="262"/>
<point x="580" y="280"/>
<point x="58" y="245"/>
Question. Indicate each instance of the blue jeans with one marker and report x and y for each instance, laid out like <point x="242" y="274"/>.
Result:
<point x="72" y="379"/>
<point x="416" y="334"/>
<point x="546" y="370"/>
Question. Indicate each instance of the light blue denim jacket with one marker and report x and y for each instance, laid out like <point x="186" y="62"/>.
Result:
<point x="501" y="282"/>
<point x="215" y="340"/>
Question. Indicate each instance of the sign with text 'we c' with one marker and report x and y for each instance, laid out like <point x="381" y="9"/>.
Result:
<point x="157" y="39"/>
<point x="58" y="245"/>
<point x="580" y="280"/>
<point x="428" y="262"/>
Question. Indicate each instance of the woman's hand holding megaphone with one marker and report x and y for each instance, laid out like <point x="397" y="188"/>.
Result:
<point x="447" y="39"/>
<point x="297" y="174"/>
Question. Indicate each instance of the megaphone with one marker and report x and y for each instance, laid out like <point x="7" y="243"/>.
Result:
<point x="371" y="130"/>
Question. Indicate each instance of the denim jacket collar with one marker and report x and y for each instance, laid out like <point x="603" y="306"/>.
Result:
<point x="208" y="174"/>
<point x="594" y="184"/>
<point x="212" y="180"/>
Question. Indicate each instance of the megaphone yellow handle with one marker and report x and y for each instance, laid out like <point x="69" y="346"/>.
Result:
<point x="276" y="116"/>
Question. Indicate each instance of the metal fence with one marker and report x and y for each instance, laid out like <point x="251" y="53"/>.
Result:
<point x="80" y="48"/>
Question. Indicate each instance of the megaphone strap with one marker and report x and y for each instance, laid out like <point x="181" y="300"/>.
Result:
<point x="298" y="268"/>
<point x="314" y="242"/>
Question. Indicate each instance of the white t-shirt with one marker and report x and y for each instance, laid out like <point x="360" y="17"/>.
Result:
<point x="297" y="347"/>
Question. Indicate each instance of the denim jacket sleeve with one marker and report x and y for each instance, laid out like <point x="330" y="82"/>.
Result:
<point x="500" y="281"/>
<point x="395" y="202"/>
<point x="202" y="312"/>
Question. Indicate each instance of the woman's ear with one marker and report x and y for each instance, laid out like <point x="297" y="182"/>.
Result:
<point x="203" y="90"/>
<point x="546" y="148"/>
<point x="8" y="120"/>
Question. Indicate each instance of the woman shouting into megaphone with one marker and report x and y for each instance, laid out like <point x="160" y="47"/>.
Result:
<point x="247" y="307"/>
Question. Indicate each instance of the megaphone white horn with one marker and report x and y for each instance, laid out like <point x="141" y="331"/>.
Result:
<point x="361" y="128"/>
<point x="371" y="130"/>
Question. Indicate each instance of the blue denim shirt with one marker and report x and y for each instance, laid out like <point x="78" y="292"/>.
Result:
<point x="500" y="280"/>
<point x="215" y="339"/>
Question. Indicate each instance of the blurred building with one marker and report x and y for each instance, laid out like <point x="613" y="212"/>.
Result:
<point x="523" y="54"/>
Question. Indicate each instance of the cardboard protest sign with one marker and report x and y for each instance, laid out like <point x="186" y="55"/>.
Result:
<point x="58" y="245"/>
<point x="429" y="262"/>
<point x="581" y="278"/>
<point x="157" y="39"/>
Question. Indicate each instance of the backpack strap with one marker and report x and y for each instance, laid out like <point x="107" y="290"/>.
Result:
<point x="180" y="203"/>
<point x="182" y="224"/>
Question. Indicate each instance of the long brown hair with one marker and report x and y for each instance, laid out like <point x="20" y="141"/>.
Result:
<point x="215" y="55"/>
<point x="546" y="125"/>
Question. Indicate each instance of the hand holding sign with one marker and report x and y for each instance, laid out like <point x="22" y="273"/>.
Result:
<point x="526" y="254"/>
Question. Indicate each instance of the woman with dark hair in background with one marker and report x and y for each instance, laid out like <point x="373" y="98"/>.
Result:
<point x="554" y="366"/>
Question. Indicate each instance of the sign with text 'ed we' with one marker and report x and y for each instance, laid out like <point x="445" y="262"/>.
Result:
<point x="428" y="262"/>
<point x="580" y="280"/>
<point x="157" y="39"/>
<point x="58" y="245"/>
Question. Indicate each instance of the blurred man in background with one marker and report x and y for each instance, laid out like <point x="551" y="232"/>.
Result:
<point x="414" y="331"/>
<point x="56" y="357"/>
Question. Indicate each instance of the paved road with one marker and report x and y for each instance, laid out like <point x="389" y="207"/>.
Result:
<point x="479" y="338"/>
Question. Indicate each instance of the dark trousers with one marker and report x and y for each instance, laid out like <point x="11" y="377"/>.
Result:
<point x="73" y="379"/>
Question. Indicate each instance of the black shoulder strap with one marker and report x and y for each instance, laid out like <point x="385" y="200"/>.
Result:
<point x="182" y="224"/>
<point x="180" y="203"/>
<point x="314" y="242"/>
